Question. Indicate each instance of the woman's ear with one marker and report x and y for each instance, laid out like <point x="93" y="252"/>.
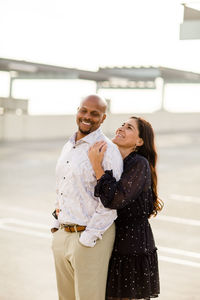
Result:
<point x="140" y="142"/>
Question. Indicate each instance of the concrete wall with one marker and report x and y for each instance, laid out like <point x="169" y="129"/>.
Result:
<point x="1" y="127"/>
<point x="25" y="127"/>
<point x="161" y="121"/>
<point x="11" y="105"/>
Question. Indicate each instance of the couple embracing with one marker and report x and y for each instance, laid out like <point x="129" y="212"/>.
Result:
<point x="103" y="245"/>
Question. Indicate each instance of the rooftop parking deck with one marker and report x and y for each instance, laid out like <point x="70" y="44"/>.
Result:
<point x="26" y="201"/>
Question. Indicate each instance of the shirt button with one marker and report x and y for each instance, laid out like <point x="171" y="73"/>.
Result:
<point x="61" y="194"/>
<point x="74" y="147"/>
<point x="67" y="161"/>
<point x="63" y="177"/>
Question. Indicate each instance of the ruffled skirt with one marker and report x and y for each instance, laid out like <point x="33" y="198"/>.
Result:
<point x="133" y="277"/>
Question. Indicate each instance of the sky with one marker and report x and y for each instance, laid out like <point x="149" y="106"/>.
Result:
<point x="91" y="33"/>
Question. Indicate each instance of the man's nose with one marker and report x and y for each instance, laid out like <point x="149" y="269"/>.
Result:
<point x="87" y="116"/>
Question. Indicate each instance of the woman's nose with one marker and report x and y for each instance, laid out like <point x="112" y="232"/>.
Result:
<point x="120" y="128"/>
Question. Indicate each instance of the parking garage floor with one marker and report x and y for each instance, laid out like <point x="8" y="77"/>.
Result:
<point x="27" y="193"/>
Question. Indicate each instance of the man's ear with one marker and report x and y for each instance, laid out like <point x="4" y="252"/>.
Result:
<point x="104" y="117"/>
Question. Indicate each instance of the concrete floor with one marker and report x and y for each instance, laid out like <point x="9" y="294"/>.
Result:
<point x="26" y="202"/>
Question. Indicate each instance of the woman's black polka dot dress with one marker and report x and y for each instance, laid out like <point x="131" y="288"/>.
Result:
<point x="133" y="270"/>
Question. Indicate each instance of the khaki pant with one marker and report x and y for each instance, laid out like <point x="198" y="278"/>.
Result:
<point x="81" y="271"/>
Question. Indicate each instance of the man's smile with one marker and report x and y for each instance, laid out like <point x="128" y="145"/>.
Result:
<point x="86" y="123"/>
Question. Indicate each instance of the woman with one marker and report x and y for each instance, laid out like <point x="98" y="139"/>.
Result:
<point x="133" y="269"/>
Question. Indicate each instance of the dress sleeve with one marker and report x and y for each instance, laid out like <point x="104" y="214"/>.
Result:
<point x="117" y="194"/>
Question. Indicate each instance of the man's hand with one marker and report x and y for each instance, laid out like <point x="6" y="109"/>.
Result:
<point x="54" y="230"/>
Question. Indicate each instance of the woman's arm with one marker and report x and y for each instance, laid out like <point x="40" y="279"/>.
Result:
<point x="118" y="194"/>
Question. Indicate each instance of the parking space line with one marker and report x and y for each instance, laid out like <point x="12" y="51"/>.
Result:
<point x="23" y="223"/>
<point x="8" y="224"/>
<point x="179" y="252"/>
<point x="183" y="198"/>
<point x="161" y="217"/>
<point x="179" y="261"/>
<point x="24" y="211"/>
<point x="25" y="231"/>
<point x="177" y="220"/>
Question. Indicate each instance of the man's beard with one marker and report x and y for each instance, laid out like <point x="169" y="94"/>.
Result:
<point x="84" y="131"/>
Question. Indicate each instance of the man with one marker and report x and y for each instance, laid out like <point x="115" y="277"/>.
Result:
<point x="82" y="246"/>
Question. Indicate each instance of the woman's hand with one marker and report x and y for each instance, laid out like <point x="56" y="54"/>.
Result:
<point x="96" y="154"/>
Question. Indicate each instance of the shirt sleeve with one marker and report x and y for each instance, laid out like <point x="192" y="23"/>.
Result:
<point x="55" y="223"/>
<point x="56" y="204"/>
<point x="117" y="194"/>
<point x="103" y="217"/>
<point x="113" y="161"/>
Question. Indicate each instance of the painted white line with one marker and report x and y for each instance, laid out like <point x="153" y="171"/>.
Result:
<point x="179" y="252"/>
<point x="8" y="224"/>
<point x="23" y="223"/>
<point x="4" y="225"/>
<point x="24" y="211"/>
<point x="26" y="231"/>
<point x="183" y="198"/>
<point x="179" y="261"/>
<point x="177" y="220"/>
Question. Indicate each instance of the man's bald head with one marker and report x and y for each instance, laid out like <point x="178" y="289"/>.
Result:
<point x="90" y="115"/>
<point x="96" y="99"/>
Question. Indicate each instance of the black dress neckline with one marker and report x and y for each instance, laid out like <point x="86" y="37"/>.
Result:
<point x="130" y="156"/>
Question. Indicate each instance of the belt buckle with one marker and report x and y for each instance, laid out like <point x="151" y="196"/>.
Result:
<point x="69" y="227"/>
<point x="75" y="228"/>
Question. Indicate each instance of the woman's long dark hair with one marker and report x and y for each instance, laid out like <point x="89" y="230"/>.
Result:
<point x="148" y="150"/>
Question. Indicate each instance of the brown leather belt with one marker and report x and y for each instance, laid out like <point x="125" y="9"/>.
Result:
<point x="72" y="228"/>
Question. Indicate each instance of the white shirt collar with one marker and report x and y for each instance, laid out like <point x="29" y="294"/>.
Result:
<point x="89" y="138"/>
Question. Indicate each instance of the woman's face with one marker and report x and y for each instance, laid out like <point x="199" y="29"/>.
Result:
<point x="127" y="136"/>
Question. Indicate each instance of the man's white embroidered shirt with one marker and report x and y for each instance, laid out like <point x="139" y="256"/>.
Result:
<point x="75" y="182"/>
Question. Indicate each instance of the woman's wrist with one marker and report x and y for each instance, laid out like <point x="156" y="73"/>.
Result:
<point x="99" y="172"/>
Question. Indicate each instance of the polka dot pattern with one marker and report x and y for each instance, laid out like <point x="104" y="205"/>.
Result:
<point x="133" y="269"/>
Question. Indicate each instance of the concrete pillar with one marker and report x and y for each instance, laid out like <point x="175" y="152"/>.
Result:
<point x="160" y="86"/>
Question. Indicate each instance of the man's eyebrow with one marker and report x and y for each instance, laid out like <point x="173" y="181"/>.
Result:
<point x="84" y="107"/>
